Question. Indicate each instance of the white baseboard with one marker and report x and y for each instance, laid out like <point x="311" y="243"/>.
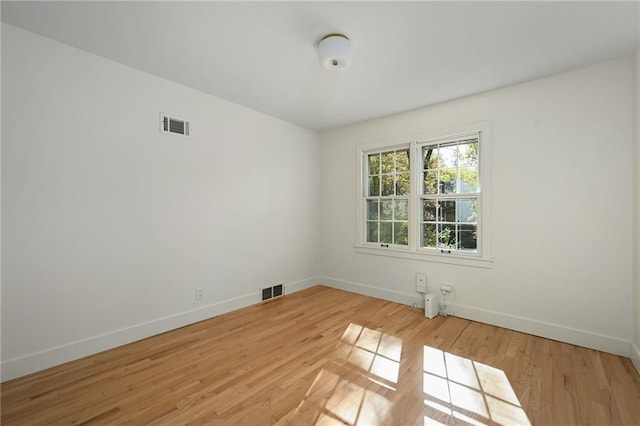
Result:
<point x="301" y="285"/>
<point x="526" y="325"/>
<point x="51" y="357"/>
<point x="377" y="292"/>
<point x="635" y="356"/>
<point x="561" y="333"/>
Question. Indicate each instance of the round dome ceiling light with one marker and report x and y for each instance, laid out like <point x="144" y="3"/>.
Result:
<point x="335" y="52"/>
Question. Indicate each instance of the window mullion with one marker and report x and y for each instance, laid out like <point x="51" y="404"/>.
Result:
<point x="414" y="196"/>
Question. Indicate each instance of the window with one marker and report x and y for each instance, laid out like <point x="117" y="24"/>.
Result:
<point x="449" y="195"/>
<point x="387" y="197"/>
<point x="427" y="198"/>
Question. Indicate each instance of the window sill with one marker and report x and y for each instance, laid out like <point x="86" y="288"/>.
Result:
<point x="452" y="259"/>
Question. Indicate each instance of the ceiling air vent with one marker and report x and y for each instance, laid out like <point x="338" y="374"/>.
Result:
<point x="173" y="125"/>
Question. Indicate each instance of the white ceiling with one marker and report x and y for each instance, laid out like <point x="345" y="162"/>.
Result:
<point x="405" y="55"/>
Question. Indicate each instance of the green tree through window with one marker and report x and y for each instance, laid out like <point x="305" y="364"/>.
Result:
<point x="449" y="201"/>
<point x="387" y="197"/>
<point x="424" y="199"/>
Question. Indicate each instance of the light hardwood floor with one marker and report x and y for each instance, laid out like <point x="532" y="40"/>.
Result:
<point x="323" y="356"/>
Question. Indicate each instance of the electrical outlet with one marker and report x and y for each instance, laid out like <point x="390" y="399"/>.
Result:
<point x="421" y="282"/>
<point x="199" y="293"/>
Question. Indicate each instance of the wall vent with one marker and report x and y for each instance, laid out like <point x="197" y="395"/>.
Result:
<point x="174" y="125"/>
<point x="272" y="292"/>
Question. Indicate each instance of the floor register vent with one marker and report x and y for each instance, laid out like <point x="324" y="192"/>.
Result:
<point x="273" y="292"/>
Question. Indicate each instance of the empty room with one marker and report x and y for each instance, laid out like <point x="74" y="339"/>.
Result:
<point x="320" y="213"/>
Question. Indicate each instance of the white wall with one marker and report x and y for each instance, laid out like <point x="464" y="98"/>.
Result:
<point x="109" y="225"/>
<point x="561" y="168"/>
<point x="0" y="203"/>
<point x="635" y="347"/>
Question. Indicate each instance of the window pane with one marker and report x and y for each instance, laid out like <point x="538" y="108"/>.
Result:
<point x="374" y="186"/>
<point x="468" y="180"/>
<point x="468" y="238"/>
<point x="448" y="181"/>
<point x="467" y="210"/>
<point x="401" y="210"/>
<point x="448" y="155"/>
<point x="429" y="210"/>
<point x="372" y="232"/>
<point x="447" y="211"/>
<point x="429" y="157"/>
<point x="447" y="236"/>
<point x="430" y="182"/>
<point x="401" y="235"/>
<point x="403" y="184"/>
<point x="387" y="185"/>
<point x="468" y="153"/>
<point x="386" y="210"/>
<point x="372" y="210"/>
<point x="402" y="161"/>
<point x="386" y="232"/>
<point x="429" y="235"/>
<point x="387" y="162"/>
<point x="374" y="164"/>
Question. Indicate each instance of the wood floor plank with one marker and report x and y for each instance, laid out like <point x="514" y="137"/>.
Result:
<point x="324" y="356"/>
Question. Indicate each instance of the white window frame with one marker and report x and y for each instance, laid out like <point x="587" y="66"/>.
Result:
<point x="483" y="257"/>
<point x="364" y="177"/>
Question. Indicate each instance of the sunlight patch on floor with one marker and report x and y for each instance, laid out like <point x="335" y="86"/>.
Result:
<point x="468" y="391"/>
<point x="373" y="360"/>
<point x="372" y="351"/>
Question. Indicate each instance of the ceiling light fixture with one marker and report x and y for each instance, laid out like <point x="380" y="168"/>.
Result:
<point x="335" y="52"/>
